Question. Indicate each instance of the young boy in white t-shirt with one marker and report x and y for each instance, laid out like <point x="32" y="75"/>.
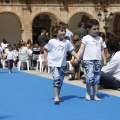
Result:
<point x="55" y="57"/>
<point x="92" y="51"/>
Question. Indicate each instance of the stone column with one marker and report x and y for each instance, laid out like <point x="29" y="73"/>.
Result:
<point x="102" y="24"/>
<point x="63" y="15"/>
<point x="27" y="32"/>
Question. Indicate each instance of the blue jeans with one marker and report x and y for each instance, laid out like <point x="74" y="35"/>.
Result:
<point x="58" y="74"/>
<point x="93" y="71"/>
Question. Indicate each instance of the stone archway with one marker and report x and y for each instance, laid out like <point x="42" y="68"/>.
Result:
<point x="10" y="27"/>
<point x="76" y="18"/>
<point x="42" y="21"/>
<point x="80" y="14"/>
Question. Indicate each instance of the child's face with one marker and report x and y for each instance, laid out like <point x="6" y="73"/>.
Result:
<point x="10" y="48"/>
<point x="94" y="30"/>
<point x="61" y="34"/>
<point x="36" y="45"/>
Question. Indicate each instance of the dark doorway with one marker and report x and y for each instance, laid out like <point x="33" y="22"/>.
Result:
<point x="42" y="21"/>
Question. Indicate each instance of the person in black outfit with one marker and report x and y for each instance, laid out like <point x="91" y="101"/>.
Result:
<point x="43" y="39"/>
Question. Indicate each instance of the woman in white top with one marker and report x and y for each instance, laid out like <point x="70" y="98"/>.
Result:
<point x="24" y="53"/>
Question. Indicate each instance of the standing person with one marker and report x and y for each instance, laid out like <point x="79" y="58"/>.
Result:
<point x="55" y="57"/>
<point x="91" y="49"/>
<point x="43" y="39"/>
<point x="10" y="57"/>
<point x="81" y="31"/>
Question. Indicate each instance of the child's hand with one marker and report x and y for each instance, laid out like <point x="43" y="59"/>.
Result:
<point x="45" y="64"/>
<point x="76" y="61"/>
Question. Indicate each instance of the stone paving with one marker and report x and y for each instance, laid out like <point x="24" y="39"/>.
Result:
<point x="74" y="82"/>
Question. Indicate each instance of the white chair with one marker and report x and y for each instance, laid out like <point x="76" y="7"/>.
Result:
<point x="47" y="70"/>
<point x="68" y="65"/>
<point x="40" y="63"/>
<point x="3" y="63"/>
<point x="23" y="58"/>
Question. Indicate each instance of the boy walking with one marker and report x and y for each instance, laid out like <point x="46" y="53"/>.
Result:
<point x="92" y="51"/>
<point x="55" y="57"/>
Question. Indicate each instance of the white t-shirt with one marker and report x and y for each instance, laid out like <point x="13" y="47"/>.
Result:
<point x="10" y="55"/>
<point x="93" y="47"/>
<point x="113" y="66"/>
<point x="57" y="51"/>
<point x="4" y="45"/>
<point x="24" y="53"/>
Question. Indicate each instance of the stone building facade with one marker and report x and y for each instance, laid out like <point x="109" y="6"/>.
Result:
<point x="23" y="19"/>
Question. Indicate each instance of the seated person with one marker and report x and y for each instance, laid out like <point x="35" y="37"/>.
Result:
<point x="110" y="74"/>
<point x="75" y="67"/>
<point x="23" y="54"/>
<point x="35" y="54"/>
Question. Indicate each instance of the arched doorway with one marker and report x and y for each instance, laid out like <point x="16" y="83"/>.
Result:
<point x="42" y="21"/>
<point x="10" y="27"/>
<point x="116" y="25"/>
<point x="75" y="19"/>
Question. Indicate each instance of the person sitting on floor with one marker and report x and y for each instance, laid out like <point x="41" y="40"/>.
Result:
<point x="110" y="74"/>
<point x="75" y="67"/>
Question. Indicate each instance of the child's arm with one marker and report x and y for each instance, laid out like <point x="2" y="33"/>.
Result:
<point x="73" y="53"/>
<point x="81" y="50"/>
<point x="103" y="56"/>
<point x="45" y="58"/>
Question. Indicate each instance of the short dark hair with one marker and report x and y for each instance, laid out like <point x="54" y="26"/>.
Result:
<point x="113" y="44"/>
<point x="43" y="30"/>
<point x="80" y="24"/>
<point x="92" y="22"/>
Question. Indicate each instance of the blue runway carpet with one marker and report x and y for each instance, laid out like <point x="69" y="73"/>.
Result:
<point x="28" y="97"/>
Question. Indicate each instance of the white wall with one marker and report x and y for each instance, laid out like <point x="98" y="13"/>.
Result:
<point x="10" y="28"/>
